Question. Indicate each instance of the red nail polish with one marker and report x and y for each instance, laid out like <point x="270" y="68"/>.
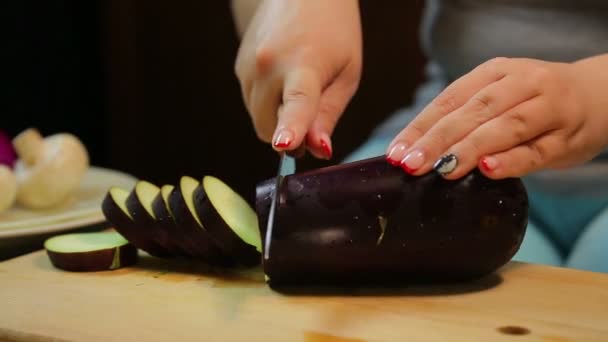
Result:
<point x="283" y="139"/>
<point x="489" y="164"/>
<point x="395" y="154"/>
<point x="392" y="161"/>
<point x="282" y="144"/>
<point x="413" y="161"/>
<point x="484" y="164"/>
<point x="326" y="148"/>
<point x="407" y="169"/>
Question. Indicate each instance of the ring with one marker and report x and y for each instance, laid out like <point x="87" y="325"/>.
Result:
<point x="446" y="164"/>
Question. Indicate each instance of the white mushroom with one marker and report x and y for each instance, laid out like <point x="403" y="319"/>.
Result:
<point x="8" y="188"/>
<point x="48" y="169"/>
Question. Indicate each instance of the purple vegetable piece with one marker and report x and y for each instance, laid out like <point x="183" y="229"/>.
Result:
<point x="368" y="221"/>
<point x="8" y="156"/>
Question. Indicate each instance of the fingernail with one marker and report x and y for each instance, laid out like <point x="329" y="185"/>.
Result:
<point x="489" y="163"/>
<point x="446" y="164"/>
<point x="413" y="161"/>
<point x="396" y="154"/>
<point x="325" y="145"/>
<point x="283" y="138"/>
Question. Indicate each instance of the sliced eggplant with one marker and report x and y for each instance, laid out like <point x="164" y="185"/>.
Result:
<point x="229" y="219"/>
<point x="115" y="210"/>
<point x="369" y="221"/>
<point x="181" y="204"/>
<point x="166" y="221"/>
<point x="139" y="205"/>
<point x="90" y="252"/>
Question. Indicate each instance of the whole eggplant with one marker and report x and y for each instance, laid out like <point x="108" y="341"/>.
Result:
<point x="369" y="221"/>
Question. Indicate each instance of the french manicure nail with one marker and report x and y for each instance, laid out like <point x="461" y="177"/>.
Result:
<point x="283" y="138"/>
<point x="489" y="163"/>
<point x="413" y="161"/>
<point x="446" y="164"/>
<point x="396" y="154"/>
<point x="326" y="148"/>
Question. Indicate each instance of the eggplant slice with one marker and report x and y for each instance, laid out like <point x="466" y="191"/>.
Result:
<point x="115" y="210"/>
<point x="230" y="220"/>
<point x="90" y="252"/>
<point x="199" y="242"/>
<point x="139" y="204"/>
<point x="166" y="222"/>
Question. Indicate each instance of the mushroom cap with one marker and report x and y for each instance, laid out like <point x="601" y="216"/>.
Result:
<point x="8" y="184"/>
<point x="61" y="163"/>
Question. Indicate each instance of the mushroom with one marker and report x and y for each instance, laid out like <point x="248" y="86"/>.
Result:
<point x="8" y="184"/>
<point x="48" y="169"/>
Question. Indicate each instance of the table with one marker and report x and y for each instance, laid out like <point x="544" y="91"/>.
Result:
<point x="176" y="300"/>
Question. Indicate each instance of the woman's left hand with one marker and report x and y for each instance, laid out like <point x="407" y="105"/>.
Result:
<point x="510" y="117"/>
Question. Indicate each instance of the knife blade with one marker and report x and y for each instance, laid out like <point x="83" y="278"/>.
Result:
<point x="286" y="166"/>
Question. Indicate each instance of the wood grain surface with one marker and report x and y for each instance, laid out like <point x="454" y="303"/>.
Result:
<point x="160" y="300"/>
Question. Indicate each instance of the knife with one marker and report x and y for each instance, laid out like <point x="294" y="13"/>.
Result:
<point x="287" y="165"/>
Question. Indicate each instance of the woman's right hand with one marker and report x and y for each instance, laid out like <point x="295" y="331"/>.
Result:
<point x="299" y="64"/>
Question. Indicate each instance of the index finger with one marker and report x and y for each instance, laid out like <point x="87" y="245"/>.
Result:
<point x="300" y="105"/>
<point x="451" y="98"/>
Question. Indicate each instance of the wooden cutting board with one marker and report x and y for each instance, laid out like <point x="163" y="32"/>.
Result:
<point x="180" y="301"/>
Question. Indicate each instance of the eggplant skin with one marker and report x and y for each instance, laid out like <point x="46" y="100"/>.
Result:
<point x="369" y="221"/>
<point x="93" y="261"/>
<point x="147" y="225"/>
<point x="129" y="229"/>
<point x="223" y="235"/>
<point x="166" y="223"/>
<point x="198" y="242"/>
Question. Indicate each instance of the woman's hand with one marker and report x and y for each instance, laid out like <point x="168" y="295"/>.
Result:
<point x="298" y="65"/>
<point x="510" y="117"/>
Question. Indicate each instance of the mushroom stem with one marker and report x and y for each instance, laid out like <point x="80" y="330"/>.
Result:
<point x="8" y="184"/>
<point x="29" y="145"/>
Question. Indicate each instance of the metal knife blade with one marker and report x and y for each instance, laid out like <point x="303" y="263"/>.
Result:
<point x="287" y="166"/>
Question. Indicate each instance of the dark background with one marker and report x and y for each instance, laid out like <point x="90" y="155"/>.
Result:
<point x="149" y="85"/>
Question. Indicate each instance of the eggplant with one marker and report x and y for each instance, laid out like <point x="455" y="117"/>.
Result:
<point x="115" y="210"/>
<point x="370" y="222"/>
<point x="199" y="242"/>
<point x="166" y="222"/>
<point x="139" y="204"/>
<point x="90" y="252"/>
<point x="229" y="219"/>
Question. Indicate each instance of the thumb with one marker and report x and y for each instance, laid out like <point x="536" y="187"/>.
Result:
<point x="300" y="105"/>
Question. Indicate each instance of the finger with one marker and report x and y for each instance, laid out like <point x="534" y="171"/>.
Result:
<point x="522" y="159"/>
<point x="452" y="98"/>
<point x="300" y="105"/>
<point x="487" y="104"/>
<point x="246" y="92"/>
<point x="332" y="105"/>
<point x="264" y="103"/>
<point x="516" y="126"/>
<point x="299" y="152"/>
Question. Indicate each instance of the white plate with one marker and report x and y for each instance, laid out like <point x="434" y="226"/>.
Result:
<point x="82" y="209"/>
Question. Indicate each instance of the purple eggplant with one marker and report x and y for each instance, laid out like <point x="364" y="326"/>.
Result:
<point x="369" y="221"/>
<point x="90" y="252"/>
<point x="190" y="226"/>
<point x="115" y="210"/>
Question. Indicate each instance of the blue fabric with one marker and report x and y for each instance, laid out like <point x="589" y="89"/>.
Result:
<point x="537" y="248"/>
<point x="563" y="217"/>
<point x="590" y="252"/>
